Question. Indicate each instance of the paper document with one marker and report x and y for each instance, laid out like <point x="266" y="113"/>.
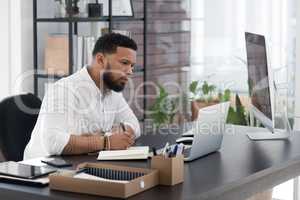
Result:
<point x="96" y="178"/>
<point x="39" y="181"/>
<point x="132" y="153"/>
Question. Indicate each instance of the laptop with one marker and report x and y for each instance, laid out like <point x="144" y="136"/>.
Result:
<point x="206" y="134"/>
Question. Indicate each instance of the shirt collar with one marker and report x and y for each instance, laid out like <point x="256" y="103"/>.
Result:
<point x="86" y="76"/>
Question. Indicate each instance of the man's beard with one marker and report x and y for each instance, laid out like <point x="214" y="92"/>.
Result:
<point x="109" y="81"/>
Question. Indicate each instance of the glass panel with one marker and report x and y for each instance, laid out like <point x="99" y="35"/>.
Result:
<point x="45" y="30"/>
<point x="218" y="52"/>
<point x="168" y="46"/>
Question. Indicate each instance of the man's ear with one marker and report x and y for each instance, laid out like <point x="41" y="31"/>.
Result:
<point x="100" y="59"/>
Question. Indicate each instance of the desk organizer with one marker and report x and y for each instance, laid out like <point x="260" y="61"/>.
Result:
<point x="126" y="181"/>
<point x="171" y="170"/>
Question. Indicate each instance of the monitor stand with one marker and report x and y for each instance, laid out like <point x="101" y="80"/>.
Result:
<point x="268" y="135"/>
<point x="274" y="134"/>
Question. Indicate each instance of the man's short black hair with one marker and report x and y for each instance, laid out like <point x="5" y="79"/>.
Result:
<point x="108" y="43"/>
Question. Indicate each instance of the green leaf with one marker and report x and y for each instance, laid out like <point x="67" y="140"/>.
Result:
<point x="240" y="110"/>
<point x="163" y="108"/>
<point x="193" y="87"/>
<point x="162" y="92"/>
<point x="211" y="88"/>
<point x="227" y="95"/>
<point x="231" y="118"/>
<point x="237" y="116"/>
<point x="205" y="88"/>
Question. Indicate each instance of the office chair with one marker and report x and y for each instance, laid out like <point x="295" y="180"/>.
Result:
<point x="18" y="115"/>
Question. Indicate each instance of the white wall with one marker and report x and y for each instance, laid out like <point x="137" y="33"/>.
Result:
<point x="16" y="52"/>
<point x="21" y="46"/>
<point x="27" y="44"/>
<point x="297" y="77"/>
<point x="4" y="49"/>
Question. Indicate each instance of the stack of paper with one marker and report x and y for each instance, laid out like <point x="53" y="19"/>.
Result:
<point x="132" y="153"/>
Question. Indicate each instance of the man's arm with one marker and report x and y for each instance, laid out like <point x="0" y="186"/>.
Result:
<point x="91" y="143"/>
<point x="57" y="119"/>
<point x="55" y="115"/>
<point x="127" y="117"/>
<point x="84" y="144"/>
<point x="58" y="116"/>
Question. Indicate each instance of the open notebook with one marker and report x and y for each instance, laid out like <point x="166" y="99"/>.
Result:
<point x="132" y="153"/>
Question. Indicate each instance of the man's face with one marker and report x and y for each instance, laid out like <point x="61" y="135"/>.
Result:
<point x="118" y="67"/>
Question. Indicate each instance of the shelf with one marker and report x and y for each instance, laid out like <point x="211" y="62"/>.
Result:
<point x="87" y="19"/>
<point x="73" y="23"/>
<point x="44" y="75"/>
<point x="72" y="20"/>
<point x="127" y="19"/>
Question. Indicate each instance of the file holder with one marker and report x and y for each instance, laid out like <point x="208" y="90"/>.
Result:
<point x="136" y="180"/>
<point x="111" y="174"/>
<point x="171" y="170"/>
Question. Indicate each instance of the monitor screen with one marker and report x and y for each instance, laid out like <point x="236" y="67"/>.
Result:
<point x="258" y="79"/>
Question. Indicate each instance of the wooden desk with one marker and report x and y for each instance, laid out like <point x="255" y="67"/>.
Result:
<point x="239" y="170"/>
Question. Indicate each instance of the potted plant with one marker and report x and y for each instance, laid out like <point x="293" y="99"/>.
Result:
<point x="60" y="8"/>
<point x="66" y="7"/>
<point x="236" y="114"/>
<point x="72" y="7"/>
<point x="201" y="97"/>
<point x="163" y="110"/>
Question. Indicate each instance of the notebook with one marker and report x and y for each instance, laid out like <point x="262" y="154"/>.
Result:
<point x="132" y="153"/>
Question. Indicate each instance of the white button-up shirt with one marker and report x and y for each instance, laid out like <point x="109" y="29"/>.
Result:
<point x="75" y="106"/>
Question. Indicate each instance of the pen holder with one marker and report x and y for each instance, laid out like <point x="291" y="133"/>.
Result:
<point x="95" y="10"/>
<point x="170" y="169"/>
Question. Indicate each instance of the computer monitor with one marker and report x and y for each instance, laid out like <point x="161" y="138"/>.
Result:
<point x="259" y="79"/>
<point x="261" y="87"/>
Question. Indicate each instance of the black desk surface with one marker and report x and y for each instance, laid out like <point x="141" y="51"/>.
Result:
<point x="240" y="169"/>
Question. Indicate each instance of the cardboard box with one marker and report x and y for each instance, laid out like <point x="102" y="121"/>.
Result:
<point x="64" y="181"/>
<point x="171" y="170"/>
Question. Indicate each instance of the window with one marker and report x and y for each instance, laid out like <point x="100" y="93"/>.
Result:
<point x="218" y="45"/>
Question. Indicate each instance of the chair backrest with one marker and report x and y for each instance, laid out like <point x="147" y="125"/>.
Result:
<point x="18" y="115"/>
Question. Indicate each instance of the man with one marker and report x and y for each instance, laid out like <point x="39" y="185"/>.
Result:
<point x="78" y="112"/>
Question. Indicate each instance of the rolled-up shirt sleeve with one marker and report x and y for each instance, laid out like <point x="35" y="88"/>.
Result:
<point x="55" y="116"/>
<point x="125" y="115"/>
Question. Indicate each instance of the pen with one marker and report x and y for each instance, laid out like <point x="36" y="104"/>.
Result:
<point x="154" y="151"/>
<point x="175" y="150"/>
<point x="180" y="149"/>
<point x="123" y="126"/>
<point x="165" y="149"/>
<point x="169" y="152"/>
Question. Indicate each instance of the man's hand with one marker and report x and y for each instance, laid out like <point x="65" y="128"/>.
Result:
<point x="120" y="141"/>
